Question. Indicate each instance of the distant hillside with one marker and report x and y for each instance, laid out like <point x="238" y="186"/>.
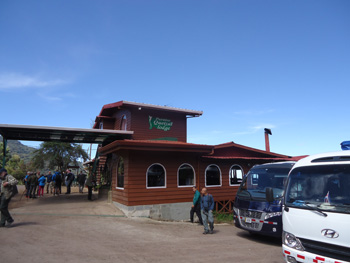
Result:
<point x="16" y="147"/>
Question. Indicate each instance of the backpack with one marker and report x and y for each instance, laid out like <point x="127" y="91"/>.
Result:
<point x="14" y="190"/>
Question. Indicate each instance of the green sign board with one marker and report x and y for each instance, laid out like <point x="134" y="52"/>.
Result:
<point x="160" y="124"/>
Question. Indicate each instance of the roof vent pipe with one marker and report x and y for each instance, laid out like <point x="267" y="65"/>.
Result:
<point x="267" y="142"/>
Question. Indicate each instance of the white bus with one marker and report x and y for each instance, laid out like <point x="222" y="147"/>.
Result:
<point x="316" y="210"/>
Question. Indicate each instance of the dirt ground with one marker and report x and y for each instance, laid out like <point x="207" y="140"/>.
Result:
<point x="69" y="228"/>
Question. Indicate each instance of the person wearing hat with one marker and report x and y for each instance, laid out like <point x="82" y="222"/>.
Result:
<point x="8" y="190"/>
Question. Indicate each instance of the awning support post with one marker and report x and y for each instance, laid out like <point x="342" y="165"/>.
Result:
<point x="4" y="151"/>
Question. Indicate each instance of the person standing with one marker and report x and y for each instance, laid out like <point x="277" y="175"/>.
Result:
<point x="37" y="183"/>
<point x="26" y="183"/>
<point x="207" y="207"/>
<point x="81" y="181"/>
<point x="90" y="183"/>
<point x="32" y="185"/>
<point x="48" y="182"/>
<point x="8" y="183"/>
<point x="196" y="207"/>
<point x="69" y="179"/>
<point x="57" y="182"/>
<point x="41" y="181"/>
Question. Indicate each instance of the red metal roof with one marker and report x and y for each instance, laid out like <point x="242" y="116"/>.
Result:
<point x="231" y="145"/>
<point x="231" y="150"/>
<point x="108" y="108"/>
<point x="150" y="106"/>
<point x="247" y="158"/>
<point x="150" y="145"/>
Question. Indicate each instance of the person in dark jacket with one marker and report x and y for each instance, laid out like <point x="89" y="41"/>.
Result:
<point x="8" y="182"/>
<point x="81" y="181"/>
<point x="69" y="180"/>
<point x="48" y="182"/>
<point x="57" y="182"/>
<point x="90" y="183"/>
<point x="196" y="206"/>
<point x="33" y="182"/>
<point x="207" y="207"/>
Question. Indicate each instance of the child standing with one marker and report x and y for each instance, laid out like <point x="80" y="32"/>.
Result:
<point x="42" y="181"/>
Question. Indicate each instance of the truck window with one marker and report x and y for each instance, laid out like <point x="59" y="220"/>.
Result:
<point x="324" y="187"/>
<point x="257" y="180"/>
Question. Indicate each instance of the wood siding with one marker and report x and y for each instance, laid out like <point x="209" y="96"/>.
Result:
<point x="118" y="115"/>
<point x="142" y="131"/>
<point x="135" y="191"/>
<point x="138" y="121"/>
<point x="136" y="164"/>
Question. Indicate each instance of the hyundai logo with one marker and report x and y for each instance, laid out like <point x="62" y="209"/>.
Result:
<point x="330" y="233"/>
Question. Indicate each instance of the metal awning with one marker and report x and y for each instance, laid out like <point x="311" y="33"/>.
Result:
<point x="61" y="134"/>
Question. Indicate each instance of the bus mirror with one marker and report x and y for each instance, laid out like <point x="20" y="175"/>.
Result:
<point x="269" y="194"/>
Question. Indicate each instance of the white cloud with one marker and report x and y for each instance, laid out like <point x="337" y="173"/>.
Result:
<point x="16" y="81"/>
<point x="254" y="129"/>
<point x="253" y="112"/>
<point x="48" y="97"/>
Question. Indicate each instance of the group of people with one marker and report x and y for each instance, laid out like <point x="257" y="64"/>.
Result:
<point x="36" y="183"/>
<point x="203" y="206"/>
<point x="203" y="203"/>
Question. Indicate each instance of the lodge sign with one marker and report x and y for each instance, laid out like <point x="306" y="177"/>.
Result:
<point x="160" y="124"/>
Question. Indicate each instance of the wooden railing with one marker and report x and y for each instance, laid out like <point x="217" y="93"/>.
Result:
<point x="224" y="207"/>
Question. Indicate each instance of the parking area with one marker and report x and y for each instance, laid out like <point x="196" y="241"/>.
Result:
<point x="69" y="228"/>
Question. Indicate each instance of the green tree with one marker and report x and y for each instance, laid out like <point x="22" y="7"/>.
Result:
<point x="14" y="164"/>
<point x="16" y="167"/>
<point x="58" y="155"/>
<point x="8" y="155"/>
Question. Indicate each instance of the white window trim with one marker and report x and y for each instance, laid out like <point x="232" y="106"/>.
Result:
<point x="194" y="174"/>
<point x="229" y="175"/>
<point x="156" y="187"/>
<point x="205" y="176"/>
<point x="116" y="187"/>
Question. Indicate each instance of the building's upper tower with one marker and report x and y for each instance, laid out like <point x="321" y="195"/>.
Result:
<point x="148" y="122"/>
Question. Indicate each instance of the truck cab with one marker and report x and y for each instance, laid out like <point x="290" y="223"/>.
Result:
<point x="258" y="203"/>
<point x="316" y="210"/>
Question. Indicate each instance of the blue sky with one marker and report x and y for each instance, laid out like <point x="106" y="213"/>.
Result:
<point x="247" y="64"/>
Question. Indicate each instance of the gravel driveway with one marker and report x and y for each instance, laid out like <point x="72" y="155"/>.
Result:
<point x="69" y="228"/>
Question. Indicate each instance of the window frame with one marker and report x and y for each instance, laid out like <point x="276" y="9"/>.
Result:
<point x="123" y="121"/>
<point x="116" y="185"/>
<point x="178" y="177"/>
<point x="165" y="177"/>
<point x="229" y="174"/>
<point x="205" y="176"/>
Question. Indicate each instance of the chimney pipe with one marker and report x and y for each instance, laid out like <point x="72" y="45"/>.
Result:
<point x="267" y="142"/>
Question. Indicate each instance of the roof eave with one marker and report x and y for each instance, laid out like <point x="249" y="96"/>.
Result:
<point x="155" y="146"/>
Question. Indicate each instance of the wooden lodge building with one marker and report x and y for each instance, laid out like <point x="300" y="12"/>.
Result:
<point x="152" y="173"/>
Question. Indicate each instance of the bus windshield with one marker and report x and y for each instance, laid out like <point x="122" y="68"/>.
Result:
<point x="320" y="187"/>
<point x="258" y="179"/>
